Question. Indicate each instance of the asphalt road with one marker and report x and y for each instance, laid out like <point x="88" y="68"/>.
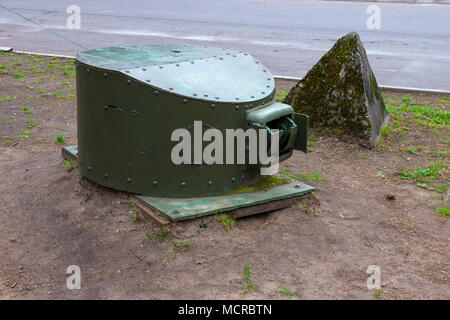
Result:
<point x="412" y="48"/>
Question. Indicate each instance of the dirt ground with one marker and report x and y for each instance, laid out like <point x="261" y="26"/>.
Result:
<point x="362" y="214"/>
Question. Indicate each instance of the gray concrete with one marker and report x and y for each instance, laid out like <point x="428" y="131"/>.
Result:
<point x="412" y="48"/>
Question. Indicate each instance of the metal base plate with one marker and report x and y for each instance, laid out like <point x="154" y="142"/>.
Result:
<point x="243" y="204"/>
<point x="239" y="205"/>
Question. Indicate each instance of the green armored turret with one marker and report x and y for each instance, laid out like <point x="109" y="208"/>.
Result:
<point x="131" y="100"/>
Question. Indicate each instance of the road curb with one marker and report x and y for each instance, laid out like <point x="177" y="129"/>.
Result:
<point x="43" y="54"/>
<point x="391" y="88"/>
<point x="294" y="79"/>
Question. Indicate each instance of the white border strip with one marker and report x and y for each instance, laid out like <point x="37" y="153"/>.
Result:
<point x="276" y="77"/>
<point x="45" y="54"/>
<point x="381" y="86"/>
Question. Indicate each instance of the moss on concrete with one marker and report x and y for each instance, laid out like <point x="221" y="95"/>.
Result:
<point x="266" y="183"/>
<point x="340" y="93"/>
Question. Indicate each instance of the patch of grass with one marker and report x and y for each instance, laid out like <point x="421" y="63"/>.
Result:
<point x="31" y="122"/>
<point x="440" y="154"/>
<point x="204" y="225"/>
<point x="25" y="134"/>
<point x="133" y="217"/>
<point x="313" y="137"/>
<point x="60" y="139"/>
<point x="282" y="96"/>
<point x="8" y="142"/>
<point x="182" y="246"/>
<point x="378" y="293"/>
<point x="443" y="188"/>
<point x="130" y="202"/>
<point x="69" y="165"/>
<point x="19" y="75"/>
<point x="250" y="284"/>
<point x="382" y="144"/>
<point x="414" y="150"/>
<point x="285" y="173"/>
<point x="426" y="175"/>
<point x="36" y="70"/>
<point x="385" y="131"/>
<point x="314" y="176"/>
<point x="26" y="110"/>
<point x="444" y="140"/>
<point x="161" y="234"/>
<point x="381" y="175"/>
<point x="59" y="95"/>
<point x="284" y="291"/>
<point x="226" y="221"/>
<point x="427" y="116"/>
<point x="406" y="99"/>
<point x="444" y="211"/>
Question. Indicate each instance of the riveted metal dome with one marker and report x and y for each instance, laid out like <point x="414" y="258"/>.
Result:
<point x="131" y="99"/>
<point x="204" y="73"/>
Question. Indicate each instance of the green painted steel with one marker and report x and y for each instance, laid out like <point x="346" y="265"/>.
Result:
<point x="301" y="141"/>
<point x="201" y="73"/>
<point x="125" y="119"/>
<point x="266" y="114"/>
<point x="138" y="56"/>
<point x="178" y="209"/>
